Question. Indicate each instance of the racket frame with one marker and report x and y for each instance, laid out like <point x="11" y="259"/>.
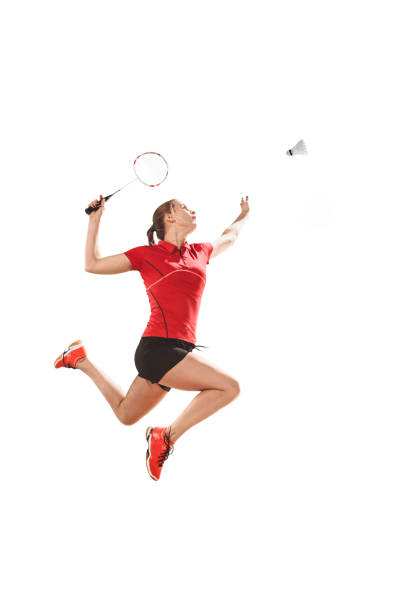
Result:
<point x="151" y="153"/>
<point x="93" y="208"/>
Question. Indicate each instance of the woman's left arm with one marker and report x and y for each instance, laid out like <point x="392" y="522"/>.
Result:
<point x="229" y="235"/>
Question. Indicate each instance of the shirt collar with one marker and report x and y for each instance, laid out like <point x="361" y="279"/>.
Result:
<point x="172" y="247"/>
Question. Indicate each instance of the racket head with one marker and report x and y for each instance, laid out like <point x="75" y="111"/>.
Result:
<point x="151" y="168"/>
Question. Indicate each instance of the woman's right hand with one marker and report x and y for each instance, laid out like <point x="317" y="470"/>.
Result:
<point x="99" y="211"/>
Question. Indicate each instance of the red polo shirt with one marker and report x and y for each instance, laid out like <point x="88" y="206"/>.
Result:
<point x="174" y="281"/>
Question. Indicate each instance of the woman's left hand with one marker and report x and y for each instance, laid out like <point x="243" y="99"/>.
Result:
<point x="244" y="205"/>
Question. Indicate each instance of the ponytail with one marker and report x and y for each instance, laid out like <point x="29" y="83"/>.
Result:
<point x="150" y="238"/>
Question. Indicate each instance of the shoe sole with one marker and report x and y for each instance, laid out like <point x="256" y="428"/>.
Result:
<point x="71" y="347"/>
<point x="148" y="436"/>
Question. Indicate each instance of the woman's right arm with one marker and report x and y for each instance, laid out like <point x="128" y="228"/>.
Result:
<point x="114" y="264"/>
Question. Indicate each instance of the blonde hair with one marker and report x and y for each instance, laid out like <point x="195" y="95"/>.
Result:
<point x="158" y="220"/>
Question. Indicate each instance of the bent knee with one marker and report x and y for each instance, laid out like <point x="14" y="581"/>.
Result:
<point x="126" y="421"/>
<point x="126" y="418"/>
<point x="233" y="387"/>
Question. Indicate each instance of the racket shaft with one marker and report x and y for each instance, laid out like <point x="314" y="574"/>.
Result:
<point x="92" y="208"/>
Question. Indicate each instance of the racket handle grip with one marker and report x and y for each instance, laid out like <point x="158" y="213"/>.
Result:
<point x="91" y="209"/>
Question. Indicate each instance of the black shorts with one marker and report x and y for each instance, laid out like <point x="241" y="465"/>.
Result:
<point x="155" y="356"/>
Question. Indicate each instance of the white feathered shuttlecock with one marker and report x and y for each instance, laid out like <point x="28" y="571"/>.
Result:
<point x="298" y="149"/>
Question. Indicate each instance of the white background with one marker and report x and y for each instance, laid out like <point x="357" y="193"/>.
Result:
<point x="293" y="497"/>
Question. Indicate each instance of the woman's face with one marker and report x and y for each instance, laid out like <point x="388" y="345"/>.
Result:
<point x="185" y="217"/>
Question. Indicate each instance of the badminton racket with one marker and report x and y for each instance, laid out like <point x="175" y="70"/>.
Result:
<point x="151" y="169"/>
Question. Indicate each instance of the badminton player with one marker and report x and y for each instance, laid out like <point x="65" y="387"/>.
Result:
<point x="174" y="274"/>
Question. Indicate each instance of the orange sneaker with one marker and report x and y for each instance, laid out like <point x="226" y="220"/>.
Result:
<point x="69" y="358"/>
<point x="159" y="447"/>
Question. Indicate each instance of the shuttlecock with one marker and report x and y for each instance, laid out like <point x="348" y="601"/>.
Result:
<point x="298" y="149"/>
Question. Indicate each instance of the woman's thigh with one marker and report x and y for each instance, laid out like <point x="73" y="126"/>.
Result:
<point x="194" y="373"/>
<point x="142" y="396"/>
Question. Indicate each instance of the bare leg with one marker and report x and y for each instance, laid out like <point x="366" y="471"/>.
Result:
<point x="217" y="389"/>
<point x="141" y="397"/>
<point x="110" y="391"/>
<point x="202" y="406"/>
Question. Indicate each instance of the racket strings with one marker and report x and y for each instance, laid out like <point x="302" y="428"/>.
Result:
<point x="151" y="169"/>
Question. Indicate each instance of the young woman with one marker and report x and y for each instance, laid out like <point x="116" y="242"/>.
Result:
<point x="174" y="274"/>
